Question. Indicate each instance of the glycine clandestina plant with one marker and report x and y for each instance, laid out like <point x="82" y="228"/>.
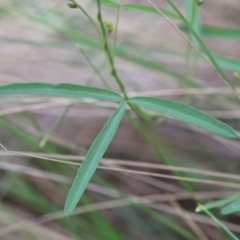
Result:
<point x="176" y="110"/>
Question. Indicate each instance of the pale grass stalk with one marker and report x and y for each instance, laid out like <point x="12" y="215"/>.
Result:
<point x="5" y="149"/>
<point x="31" y="171"/>
<point x="197" y="180"/>
<point x="52" y="157"/>
<point x="166" y="176"/>
<point x="181" y="91"/>
<point x="180" y="195"/>
<point x="33" y="107"/>
<point x="39" y="106"/>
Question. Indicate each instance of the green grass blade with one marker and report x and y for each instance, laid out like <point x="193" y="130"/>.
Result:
<point x="92" y="159"/>
<point x="60" y="90"/>
<point x="108" y="3"/>
<point x="203" y="47"/>
<point x="232" y="64"/>
<point x="232" y="207"/>
<point x="186" y="114"/>
<point x="71" y="32"/>
<point x="217" y="32"/>
<point x="219" y="223"/>
<point x="152" y="65"/>
<point x="193" y="16"/>
<point x="148" y="9"/>
<point x="217" y="203"/>
<point x="237" y="76"/>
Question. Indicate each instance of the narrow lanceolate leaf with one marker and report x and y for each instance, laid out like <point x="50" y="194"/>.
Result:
<point x="60" y="90"/>
<point x="92" y="159"/>
<point x="232" y="207"/>
<point x="186" y="114"/>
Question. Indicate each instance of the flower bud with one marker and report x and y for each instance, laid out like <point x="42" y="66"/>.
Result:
<point x="72" y="5"/>
<point x="108" y="26"/>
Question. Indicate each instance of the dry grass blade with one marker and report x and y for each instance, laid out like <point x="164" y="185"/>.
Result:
<point x="166" y="176"/>
<point x="33" y="107"/>
<point x="53" y="157"/>
<point x="181" y="91"/>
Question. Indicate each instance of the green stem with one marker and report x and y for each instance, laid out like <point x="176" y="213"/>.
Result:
<point x="113" y="70"/>
<point x="144" y="116"/>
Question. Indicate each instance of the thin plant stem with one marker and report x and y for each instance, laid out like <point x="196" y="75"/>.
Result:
<point x="47" y="136"/>
<point x="89" y="18"/>
<point x="94" y="68"/>
<point x="116" y="28"/>
<point x="113" y="70"/>
<point x="145" y="173"/>
<point x="186" y="97"/>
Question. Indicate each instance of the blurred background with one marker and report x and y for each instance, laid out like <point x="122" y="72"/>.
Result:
<point x="47" y="137"/>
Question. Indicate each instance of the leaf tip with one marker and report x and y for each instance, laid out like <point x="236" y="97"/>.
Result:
<point x="67" y="209"/>
<point x="232" y="134"/>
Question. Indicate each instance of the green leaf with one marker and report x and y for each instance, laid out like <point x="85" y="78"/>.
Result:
<point x="186" y="114"/>
<point x="60" y="90"/>
<point x="148" y="9"/>
<point x="232" y="207"/>
<point x="92" y="159"/>
<point x="217" y="203"/>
